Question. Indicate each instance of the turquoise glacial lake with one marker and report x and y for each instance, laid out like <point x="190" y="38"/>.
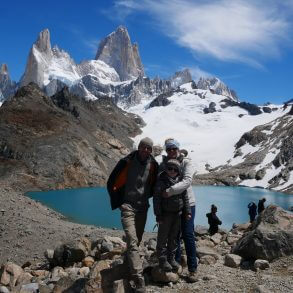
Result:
<point x="92" y="206"/>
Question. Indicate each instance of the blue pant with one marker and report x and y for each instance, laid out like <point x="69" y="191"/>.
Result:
<point x="187" y="233"/>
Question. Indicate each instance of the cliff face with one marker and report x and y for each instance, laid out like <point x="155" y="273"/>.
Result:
<point x="117" y="51"/>
<point x="39" y="57"/>
<point x="63" y="141"/>
<point x="7" y="86"/>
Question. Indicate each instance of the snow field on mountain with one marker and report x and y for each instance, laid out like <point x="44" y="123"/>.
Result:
<point x="209" y="138"/>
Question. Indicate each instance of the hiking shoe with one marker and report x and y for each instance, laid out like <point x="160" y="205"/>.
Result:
<point x="175" y="265"/>
<point x="192" y="278"/>
<point x="164" y="265"/>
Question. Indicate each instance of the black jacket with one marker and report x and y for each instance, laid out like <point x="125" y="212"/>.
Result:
<point x="175" y="203"/>
<point x="117" y="179"/>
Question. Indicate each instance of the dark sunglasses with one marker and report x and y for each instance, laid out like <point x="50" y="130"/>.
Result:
<point x="173" y="169"/>
<point x="171" y="149"/>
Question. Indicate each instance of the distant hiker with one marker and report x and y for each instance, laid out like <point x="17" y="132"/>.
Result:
<point x="184" y="184"/>
<point x="261" y="205"/>
<point x="213" y="220"/>
<point x="130" y="185"/>
<point x="168" y="213"/>
<point x="252" y="211"/>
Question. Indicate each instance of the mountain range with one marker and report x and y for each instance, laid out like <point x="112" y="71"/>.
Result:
<point x="230" y="141"/>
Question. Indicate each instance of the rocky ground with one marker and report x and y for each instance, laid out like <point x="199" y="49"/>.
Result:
<point x="28" y="229"/>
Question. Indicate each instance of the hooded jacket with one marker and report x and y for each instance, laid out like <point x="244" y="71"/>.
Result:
<point x="185" y="183"/>
<point x="116" y="183"/>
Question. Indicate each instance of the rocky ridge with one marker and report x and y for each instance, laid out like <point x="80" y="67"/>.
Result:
<point x="61" y="141"/>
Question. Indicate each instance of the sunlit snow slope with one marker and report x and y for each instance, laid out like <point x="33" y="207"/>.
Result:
<point x="209" y="138"/>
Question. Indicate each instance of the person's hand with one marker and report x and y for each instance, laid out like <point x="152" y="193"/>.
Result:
<point x="165" y="194"/>
<point x="188" y="217"/>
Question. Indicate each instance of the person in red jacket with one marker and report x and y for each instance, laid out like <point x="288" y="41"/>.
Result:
<point x="130" y="185"/>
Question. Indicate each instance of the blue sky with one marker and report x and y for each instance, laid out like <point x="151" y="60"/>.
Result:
<point x="246" y="43"/>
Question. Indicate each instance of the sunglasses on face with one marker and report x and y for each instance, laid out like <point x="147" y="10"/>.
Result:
<point x="173" y="169"/>
<point x="172" y="149"/>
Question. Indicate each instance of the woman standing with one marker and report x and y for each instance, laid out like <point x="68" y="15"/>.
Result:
<point x="184" y="184"/>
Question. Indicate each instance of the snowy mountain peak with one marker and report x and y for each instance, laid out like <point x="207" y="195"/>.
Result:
<point x="181" y="77"/>
<point x="216" y="86"/>
<point x="117" y="51"/>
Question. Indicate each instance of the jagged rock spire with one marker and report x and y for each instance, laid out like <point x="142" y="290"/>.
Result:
<point x="7" y="86"/>
<point x="35" y="68"/>
<point x="4" y="69"/>
<point x="43" y="42"/>
<point x="117" y="51"/>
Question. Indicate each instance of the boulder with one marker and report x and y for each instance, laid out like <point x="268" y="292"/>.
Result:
<point x="202" y="251"/>
<point x="261" y="264"/>
<point x="9" y="274"/>
<point x="201" y="230"/>
<point x="71" y="252"/>
<point x="160" y="276"/>
<point x="216" y="238"/>
<point x="88" y="261"/>
<point x="270" y="238"/>
<point x="232" y="260"/>
<point x="208" y="260"/>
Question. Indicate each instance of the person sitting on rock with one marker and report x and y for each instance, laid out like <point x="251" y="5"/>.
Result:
<point x="213" y="220"/>
<point x="252" y="211"/>
<point x="261" y="205"/>
<point x="168" y="213"/>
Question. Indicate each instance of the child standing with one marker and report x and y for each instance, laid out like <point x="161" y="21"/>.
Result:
<point x="213" y="220"/>
<point x="168" y="215"/>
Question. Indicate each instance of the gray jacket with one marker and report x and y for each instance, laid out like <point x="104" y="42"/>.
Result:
<point x="185" y="183"/>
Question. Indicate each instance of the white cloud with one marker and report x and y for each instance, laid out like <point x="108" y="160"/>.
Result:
<point x="240" y="30"/>
<point x="197" y="73"/>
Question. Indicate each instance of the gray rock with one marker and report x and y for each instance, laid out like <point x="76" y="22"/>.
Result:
<point x="202" y="251"/>
<point x="261" y="264"/>
<point x="71" y="252"/>
<point x="164" y="277"/>
<point x="106" y="246"/>
<point x="30" y="288"/>
<point x="201" y="230"/>
<point x="272" y="236"/>
<point x="216" y="238"/>
<point x="232" y="260"/>
<point x="4" y="289"/>
<point x="208" y="260"/>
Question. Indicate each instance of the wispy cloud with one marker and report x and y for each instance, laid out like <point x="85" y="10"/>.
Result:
<point x="244" y="31"/>
<point x="197" y="73"/>
<point x="92" y="45"/>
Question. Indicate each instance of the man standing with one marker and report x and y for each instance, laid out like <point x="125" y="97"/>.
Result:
<point x="187" y="225"/>
<point x="130" y="185"/>
<point x="252" y="211"/>
<point x="261" y="205"/>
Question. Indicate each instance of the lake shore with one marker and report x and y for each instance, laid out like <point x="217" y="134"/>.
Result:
<point x="27" y="229"/>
